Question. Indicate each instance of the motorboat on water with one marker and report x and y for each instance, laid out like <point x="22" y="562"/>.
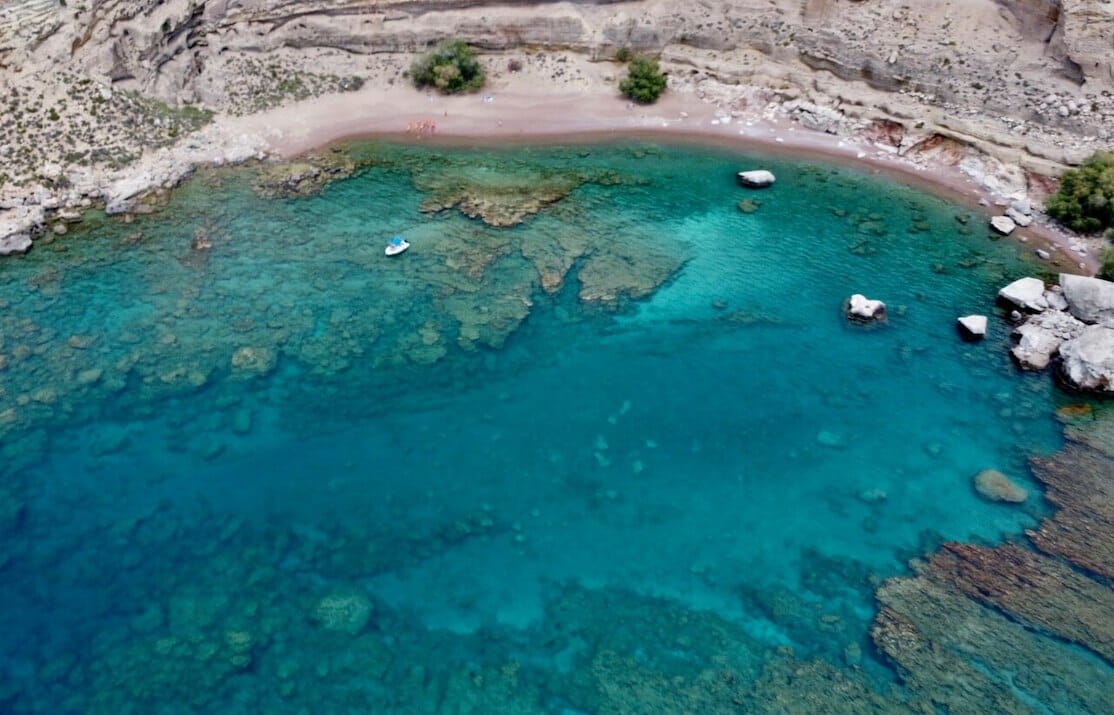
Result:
<point x="397" y="245"/>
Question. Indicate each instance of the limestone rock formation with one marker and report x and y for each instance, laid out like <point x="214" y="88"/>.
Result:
<point x="1088" y="360"/>
<point x="1089" y="299"/>
<point x="863" y="309"/>
<point x="756" y="179"/>
<point x="1025" y="293"/>
<point x="1039" y="337"/>
<point x="972" y="327"/>
<point x="1003" y="225"/>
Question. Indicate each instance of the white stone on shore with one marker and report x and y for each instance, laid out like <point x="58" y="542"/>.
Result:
<point x="1022" y="206"/>
<point x="1003" y="225"/>
<point x="757" y="179"/>
<point x="1018" y="218"/>
<point x="972" y="327"/>
<point x="1043" y="254"/>
<point x="1027" y="293"/>
<point x="859" y="307"/>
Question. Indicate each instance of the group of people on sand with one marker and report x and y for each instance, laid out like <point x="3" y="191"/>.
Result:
<point x="423" y="128"/>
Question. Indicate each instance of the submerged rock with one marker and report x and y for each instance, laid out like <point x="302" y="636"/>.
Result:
<point x="303" y="178"/>
<point x="1040" y="337"/>
<point x="346" y="612"/>
<point x="995" y="486"/>
<point x="251" y="361"/>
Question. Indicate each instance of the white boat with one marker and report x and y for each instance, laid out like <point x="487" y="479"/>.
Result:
<point x="397" y="245"/>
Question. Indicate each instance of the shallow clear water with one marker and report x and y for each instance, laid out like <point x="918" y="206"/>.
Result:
<point x="202" y="448"/>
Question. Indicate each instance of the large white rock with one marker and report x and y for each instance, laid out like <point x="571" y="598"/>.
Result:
<point x="1026" y="293"/>
<point x="1088" y="360"/>
<point x="15" y="243"/>
<point x="1041" y="336"/>
<point x="16" y="226"/>
<point x="859" y="307"/>
<point x="1089" y="299"/>
<point x="972" y="327"/>
<point x="757" y="179"/>
<point x="1003" y="225"/>
<point x="1018" y="218"/>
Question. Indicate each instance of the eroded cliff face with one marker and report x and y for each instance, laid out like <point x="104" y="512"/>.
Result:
<point x="940" y="46"/>
<point x="1030" y="81"/>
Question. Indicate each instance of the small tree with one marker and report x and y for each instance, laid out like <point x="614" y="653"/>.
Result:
<point x="645" y="81"/>
<point x="1107" y="258"/>
<point x="451" y="68"/>
<point x="1085" y="201"/>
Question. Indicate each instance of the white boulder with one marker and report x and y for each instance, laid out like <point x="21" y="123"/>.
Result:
<point x="15" y="243"/>
<point x="1041" y="336"/>
<point x="1088" y="360"/>
<point x="1018" y="218"/>
<point x="16" y="226"/>
<point x="1055" y="299"/>
<point x="972" y="327"/>
<point x="1026" y="293"/>
<point x="1003" y="225"/>
<point x="1089" y="299"/>
<point x="859" y="307"/>
<point x="757" y="179"/>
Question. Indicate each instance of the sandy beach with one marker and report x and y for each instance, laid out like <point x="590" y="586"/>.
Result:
<point x="519" y="111"/>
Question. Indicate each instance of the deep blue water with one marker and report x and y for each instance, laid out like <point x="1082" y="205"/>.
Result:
<point x="469" y="463"/>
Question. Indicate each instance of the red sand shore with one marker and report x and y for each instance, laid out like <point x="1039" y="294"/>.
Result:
<point x="528" y="115"/>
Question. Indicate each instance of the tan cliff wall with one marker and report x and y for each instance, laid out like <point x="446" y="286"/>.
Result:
<point x="1041" y="69"/>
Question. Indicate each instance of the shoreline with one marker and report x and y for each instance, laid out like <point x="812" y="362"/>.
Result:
<point x="521" y="118"/>
<point x="513" y="112"/>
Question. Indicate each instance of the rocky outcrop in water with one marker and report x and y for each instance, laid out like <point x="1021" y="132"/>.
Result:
<point x="1089" y="299"/>
<point x="865" y="310"/>
<point x="1012" y="605"/>
<point x="1072" y="327"/>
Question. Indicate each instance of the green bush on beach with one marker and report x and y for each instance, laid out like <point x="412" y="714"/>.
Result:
<point x="1107" y="258"/>
<point x="451" y="68"/>
<point x="1085" y="201"/>
<point x="645" y="81"/>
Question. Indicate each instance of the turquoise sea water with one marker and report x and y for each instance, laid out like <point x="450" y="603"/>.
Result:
<point x="288" y="474"/>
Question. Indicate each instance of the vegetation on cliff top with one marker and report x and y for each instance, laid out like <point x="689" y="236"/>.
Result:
<point x="451" y="68"/>
<point x="1085" y="201"/>
<point x="645" y="81"/>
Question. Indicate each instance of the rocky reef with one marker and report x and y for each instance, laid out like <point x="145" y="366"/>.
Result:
<point x="1009" y="606"/>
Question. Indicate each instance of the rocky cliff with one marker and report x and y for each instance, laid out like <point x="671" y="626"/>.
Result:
<point x="1045" y="62"/>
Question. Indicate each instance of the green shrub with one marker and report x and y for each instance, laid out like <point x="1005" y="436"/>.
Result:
<point x="1107" y="258"/>
<point x="451" y="68"/>
<point x="624" y="55"/>
<point x="645" y="81"/>
<point x="1085" y="201"/>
